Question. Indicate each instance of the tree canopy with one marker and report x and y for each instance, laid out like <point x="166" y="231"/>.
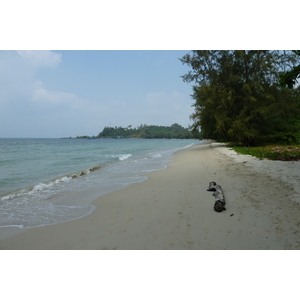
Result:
<point x="289" y="78"/>
<point x="238" y="96"/>
<point x="174" y="131"/>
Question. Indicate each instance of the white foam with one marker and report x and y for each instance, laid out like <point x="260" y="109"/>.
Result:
<point x="63" y="179"/>
<point x="19" y="226"/>
<point x="40" y="187"/>
<point x="45" y="214"/>
<point x="36" y="189"/>
<point x="124" y="156"/>
<point x="7" y="197"/>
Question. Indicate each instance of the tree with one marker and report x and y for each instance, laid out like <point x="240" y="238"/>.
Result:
<point x="147" y="131"/>
<point x="237" y="95"/>
<point x="290" y="78"/>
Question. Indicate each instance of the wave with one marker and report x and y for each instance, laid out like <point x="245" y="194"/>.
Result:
<point x="34" y="189"/>
<point x="124" y="156"/>
<point x="43" y="186"/>
<point x="120" y="156"/>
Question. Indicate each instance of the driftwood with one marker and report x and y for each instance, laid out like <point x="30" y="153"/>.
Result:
<point x="219" y="196"/>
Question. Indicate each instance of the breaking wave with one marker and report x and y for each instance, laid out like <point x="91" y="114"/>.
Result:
<point x="44" y="186"/>
<point x="120" y="156"/>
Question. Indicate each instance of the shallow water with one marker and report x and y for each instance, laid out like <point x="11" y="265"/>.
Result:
<point x="49" y="181"/>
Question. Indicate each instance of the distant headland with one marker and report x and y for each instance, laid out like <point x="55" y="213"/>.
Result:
<point x="175" y="131"/>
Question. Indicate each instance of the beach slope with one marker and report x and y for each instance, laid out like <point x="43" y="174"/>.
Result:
<point x="174" y="210"/>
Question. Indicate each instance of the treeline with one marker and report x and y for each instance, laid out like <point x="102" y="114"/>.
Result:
<point x="245" y="96"/>
<point x="174" y="131"/>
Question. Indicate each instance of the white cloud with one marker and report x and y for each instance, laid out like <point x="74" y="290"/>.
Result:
<point x="40" y="59"/>
<point x="44" y="97"/>
<point x="18" y="72"/>
<point x="19" y="83"/>
<point x="24" y="99"/>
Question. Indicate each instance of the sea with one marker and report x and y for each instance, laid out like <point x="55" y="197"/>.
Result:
<point x="50" y="181"/>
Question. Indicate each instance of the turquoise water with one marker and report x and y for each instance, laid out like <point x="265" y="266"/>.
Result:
<point x="49" y="181"/>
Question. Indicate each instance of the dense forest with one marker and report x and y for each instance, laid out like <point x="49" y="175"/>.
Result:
<point x="174" y="131"/>
<point x="245" y="96"/>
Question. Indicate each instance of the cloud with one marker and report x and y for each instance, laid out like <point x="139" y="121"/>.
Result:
<point x="40" y="59"/>
<point x="19" y="83"/>
<point x="52" y="98"/>
<point x="18" y="71"/>
<point x="24" y="99"/>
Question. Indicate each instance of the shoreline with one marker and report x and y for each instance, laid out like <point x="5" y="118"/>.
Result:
<point x="173" y="210"/>
<point x="65" y="196"/>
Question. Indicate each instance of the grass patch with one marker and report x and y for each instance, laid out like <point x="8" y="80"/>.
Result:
<point x="272" y="152"/>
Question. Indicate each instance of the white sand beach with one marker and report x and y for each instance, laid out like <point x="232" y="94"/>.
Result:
<point x="173" y="210"/>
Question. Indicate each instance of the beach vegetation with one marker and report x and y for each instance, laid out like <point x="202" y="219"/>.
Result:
<point x="175" y="131"/>
<point x="238" y="96"/>
<point x="272" y="152"/>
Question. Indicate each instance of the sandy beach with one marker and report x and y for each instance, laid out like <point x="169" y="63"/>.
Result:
<point x="172" y="209"/>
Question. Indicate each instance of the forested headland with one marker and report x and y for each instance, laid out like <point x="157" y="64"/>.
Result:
<point x="174" y="131"/>
<point x="246" y="96"/>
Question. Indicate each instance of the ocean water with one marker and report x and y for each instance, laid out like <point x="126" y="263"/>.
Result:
<point x="50" y="181"/>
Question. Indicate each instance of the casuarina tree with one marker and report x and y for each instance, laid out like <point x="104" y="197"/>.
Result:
<point x="237" y="94"/>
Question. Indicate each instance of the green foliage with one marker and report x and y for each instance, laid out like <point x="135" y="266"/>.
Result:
<point x="284" y="153"/>
<point x="293" y="136"/>
<point x="290" y="78"/>
<point x="237" y="95"/>
<point x="174" y="131"/>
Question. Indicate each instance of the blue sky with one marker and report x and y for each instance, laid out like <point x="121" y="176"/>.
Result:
<point x="69" y="93"/>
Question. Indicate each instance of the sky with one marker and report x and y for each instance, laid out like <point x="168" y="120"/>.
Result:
<point x="119" y="62"/>
<point x="55" y="94"/>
